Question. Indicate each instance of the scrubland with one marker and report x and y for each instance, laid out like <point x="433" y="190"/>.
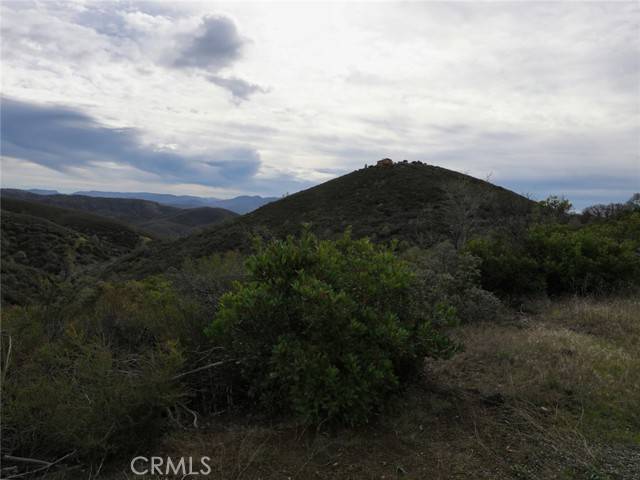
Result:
<point x="552" y="393"/>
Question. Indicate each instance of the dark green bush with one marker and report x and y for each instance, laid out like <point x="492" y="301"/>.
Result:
<point x="558" y="258"/>
<point x="586" y="260"/>
<point x="506" y="268"/>
<point x="325" y="329"/>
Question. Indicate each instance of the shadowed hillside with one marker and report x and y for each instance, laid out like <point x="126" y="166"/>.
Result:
<point x="152" y="217"/>
<point x="411" y="202"/>
<point x="117" y="234"/>
<point x="43" y="245"/>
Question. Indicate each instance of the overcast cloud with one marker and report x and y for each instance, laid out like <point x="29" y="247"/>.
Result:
<point x="224" y="99"/>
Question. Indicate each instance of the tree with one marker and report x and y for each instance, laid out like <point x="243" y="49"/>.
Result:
<point x="634" y="201"/>
<point x="612" y="210"/>
<point x="559" y="206"/>
<point x="463" y="207"/>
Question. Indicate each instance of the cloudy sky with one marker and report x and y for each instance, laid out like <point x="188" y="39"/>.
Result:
<point x="266" y="98"/>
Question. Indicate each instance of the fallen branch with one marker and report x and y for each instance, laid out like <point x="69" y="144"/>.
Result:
<point x="35" y="461"/>
<point x="199" y="369"/>
<point x="5" y="365"/>
<point x="45" y="467"/>
<point x="195" y="415"/>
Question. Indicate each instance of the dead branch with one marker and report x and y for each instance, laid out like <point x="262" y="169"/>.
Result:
<point x="45" y="467"/>
<point x="5" y="365"/>
<point x="199" y="369"/>
<point x="195" y="415"/>
<point x="33" y="461"/>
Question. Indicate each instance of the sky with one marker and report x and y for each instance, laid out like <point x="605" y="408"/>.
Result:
<point x="222" y="99"/>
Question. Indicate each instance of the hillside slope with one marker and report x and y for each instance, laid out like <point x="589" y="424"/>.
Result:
<point x="152" y="217"/>
<point x="186" y="221"/>
<point x="411" y="202"/>
<point x="117" y="235"/>
<point x="43" y="245"/>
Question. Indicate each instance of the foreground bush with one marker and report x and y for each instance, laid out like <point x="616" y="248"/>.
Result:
<point x="325" y="329"/>
<point x="65" y="391"/>
<point x="103" y="370"/>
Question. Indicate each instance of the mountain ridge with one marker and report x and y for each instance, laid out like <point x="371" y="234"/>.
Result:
<point x="414" y="203"/>
<point x="155" y="219"/>
<point x="240" y="204"/>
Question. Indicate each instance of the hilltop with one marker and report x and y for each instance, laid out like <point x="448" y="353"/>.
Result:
<point x="414" y="203"/>
<point x="153" y="218"/>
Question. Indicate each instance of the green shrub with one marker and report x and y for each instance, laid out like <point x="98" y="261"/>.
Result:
<point x="96" y="368"/>
<point x="448" y="281"/>
<point x="206" y="279"/>
<point x="585" y="260"/>
<point x="506" y="268"/>
<point x="558" y="258"/>
<point x="66" y="391"/>
<point x="324" y="328"/>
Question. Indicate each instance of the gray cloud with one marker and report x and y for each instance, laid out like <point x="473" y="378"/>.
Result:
<point x="239" y="89"/>
<point x="582" y="190"/>
<point x="215" y="45"/>
<point x="61" y="138"/>
<point x="143" y="34"/>
<point x="543" y="95"/>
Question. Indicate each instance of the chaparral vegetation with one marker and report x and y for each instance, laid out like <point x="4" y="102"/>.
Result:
<point x="457" y="331"/>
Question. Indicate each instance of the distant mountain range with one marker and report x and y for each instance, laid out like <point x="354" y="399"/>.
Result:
<point x="40" y="191"/>
<point x="242" y="204"/>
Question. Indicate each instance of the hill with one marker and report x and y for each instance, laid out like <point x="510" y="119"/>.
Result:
<point x="410" y="202"/>
<point x="118" y="236"/>
<point x="186" y="221"/>
<point x="242" y="204"/>
<point x="152" y="217"/>
<point x="41" y="191"/>
<point x="43" y="245"/>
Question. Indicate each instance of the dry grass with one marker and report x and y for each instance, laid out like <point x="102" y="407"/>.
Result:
<point x="554" y="367"/>
<point x="616" y="320"/>
<point x="552" y="396"/>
